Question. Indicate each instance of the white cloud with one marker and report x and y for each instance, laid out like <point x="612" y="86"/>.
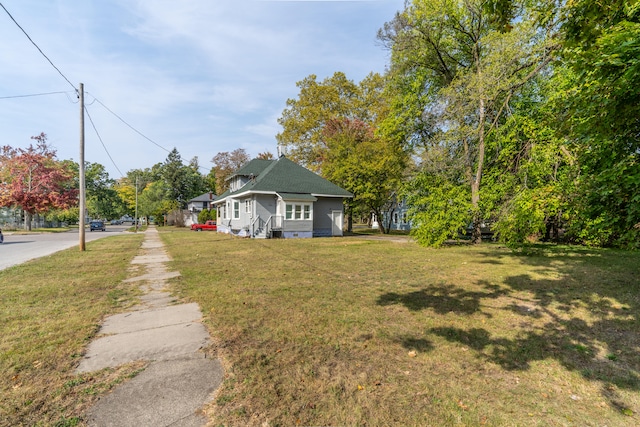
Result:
<point x="203" y="76"/>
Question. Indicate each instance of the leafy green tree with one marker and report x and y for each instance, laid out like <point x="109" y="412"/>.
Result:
<point x="133" y="183"/>
<point x="367" y="165"/>
<point x="153" y="201"/>
<point x="102" y="199"/>
<point x="602" y="41"/>
<point x="182" y="182"/>
<point x="304" y="118"/>
<point x="206" y="215"/>
<point x="456" y="68"/>
<point x="333" y="128"/>
<point x="210" y="181"/>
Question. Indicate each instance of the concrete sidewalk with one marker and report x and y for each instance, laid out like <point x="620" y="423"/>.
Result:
<point x="179" y="380"/>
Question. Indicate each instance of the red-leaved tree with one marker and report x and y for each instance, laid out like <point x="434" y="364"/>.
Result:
<point x="35" y="180"/>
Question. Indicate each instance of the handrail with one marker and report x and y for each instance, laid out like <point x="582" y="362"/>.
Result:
<point x="253" y="228"/>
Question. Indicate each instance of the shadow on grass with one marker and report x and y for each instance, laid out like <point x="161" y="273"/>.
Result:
<point x="585" y="316"/>
<point x="442" y="299"/>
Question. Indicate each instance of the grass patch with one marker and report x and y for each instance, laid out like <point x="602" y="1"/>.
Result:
<point x="349" y="331"/>
<point x="37" y="230"/>
<point x="49" y="310"/>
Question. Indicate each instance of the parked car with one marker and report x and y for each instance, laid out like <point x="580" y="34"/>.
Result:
<point x="1" y="237"/>
<point x="97" y="226"/>
<point x="208" y="225"/>
<point x="116" y="222"/>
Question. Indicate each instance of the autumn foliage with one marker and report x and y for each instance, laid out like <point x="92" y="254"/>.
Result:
<point x="34" y="180"/>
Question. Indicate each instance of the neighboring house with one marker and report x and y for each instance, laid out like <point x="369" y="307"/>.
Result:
<point x="197" y="205"/>
<point x="397" y="219"/>
<point x="279" y="198"/>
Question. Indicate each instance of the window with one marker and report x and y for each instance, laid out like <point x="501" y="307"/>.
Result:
<point x="247" y="206"/>
<point x="298" y="211"/>
<point x="236" y="209"/>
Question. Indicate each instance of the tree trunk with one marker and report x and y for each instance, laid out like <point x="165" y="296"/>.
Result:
<point x="476" y="236"/>
<point x="27" y="220"/>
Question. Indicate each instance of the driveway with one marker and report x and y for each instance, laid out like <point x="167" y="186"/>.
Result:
<point x="19" y="247"/>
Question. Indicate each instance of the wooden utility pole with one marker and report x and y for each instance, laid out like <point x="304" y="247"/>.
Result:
<point x="82" y="178"/>
<point x="136" y="218"/>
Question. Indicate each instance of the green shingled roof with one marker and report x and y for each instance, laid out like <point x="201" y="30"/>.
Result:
<point x="284" y="176"/>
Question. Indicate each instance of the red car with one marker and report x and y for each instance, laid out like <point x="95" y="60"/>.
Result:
<point x="209" y="225"/>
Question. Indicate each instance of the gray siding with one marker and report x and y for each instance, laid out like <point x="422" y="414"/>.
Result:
<point x="298" y="225"/>
<point x="265" y="205"/>
<point x="322" y="215"/>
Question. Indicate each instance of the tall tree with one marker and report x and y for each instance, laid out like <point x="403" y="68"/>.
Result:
<point x="369" y="166"/>
<point x="102" y="198"/>
<point x="602" y="41"/>
<point x="304" y="118"/>
<point x="458" y="67"/>
<point x="333" y="128"/>
<point x="35" y="180"/>
<point x="134" y="183"/>
<point x="182" y="182"/>
<point x="226" y="163"/>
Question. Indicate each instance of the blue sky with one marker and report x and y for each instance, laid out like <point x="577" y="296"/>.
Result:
<point x="204" y="76"/>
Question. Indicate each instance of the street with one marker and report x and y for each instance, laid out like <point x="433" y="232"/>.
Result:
<point x="18" y="248"/>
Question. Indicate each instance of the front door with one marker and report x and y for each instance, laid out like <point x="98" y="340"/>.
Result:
<point x="336" y="223"/>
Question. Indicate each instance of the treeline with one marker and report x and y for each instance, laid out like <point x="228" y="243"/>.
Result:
<point x="36" y="181"/>
<point x="523" y="114"/>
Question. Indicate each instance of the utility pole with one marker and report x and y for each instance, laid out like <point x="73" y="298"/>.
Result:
<point x="136" y="218"/>
<point x="82" y="178"/>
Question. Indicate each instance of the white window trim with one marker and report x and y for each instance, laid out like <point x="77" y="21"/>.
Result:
<point x="292" y="210"/>
<point x="236" y="209"/>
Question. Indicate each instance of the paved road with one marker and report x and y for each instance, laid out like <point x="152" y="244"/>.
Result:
<point x="18" y="248"/>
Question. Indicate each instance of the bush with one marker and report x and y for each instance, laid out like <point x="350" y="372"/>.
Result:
<point x="206" y="215"/>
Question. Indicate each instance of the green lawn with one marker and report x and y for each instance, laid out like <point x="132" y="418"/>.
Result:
<point x="50" y="308"/>
<point x="348" y="331"/>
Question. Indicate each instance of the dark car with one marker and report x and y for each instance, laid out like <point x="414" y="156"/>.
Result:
<point x="97" y="225"/>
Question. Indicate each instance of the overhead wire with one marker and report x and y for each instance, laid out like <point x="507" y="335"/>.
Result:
<point x="77" y="93"/>
<point x="131" y="127"/>
<point x="137" y="131"/>
<point x="38" y="47"/>
<point x="102" y="142"/>
<point x="33" y="94"/>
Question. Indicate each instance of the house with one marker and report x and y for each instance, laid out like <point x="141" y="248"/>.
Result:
<point x="197" y="205"/>
<point x="279" y="198"/>
<point x="395" y="218"/>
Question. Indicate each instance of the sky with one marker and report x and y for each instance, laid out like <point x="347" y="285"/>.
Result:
<point x="203" y="76"/>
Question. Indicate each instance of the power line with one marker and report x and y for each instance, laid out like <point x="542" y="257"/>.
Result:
<point x="37" y="47"/>
<point x="131" y="127"/>
<point x="33" y="94"/>
<point x="138" y="132"/>
<point x="101" y="142"/>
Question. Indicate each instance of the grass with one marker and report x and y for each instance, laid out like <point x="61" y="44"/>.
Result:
<point x="37" y="230"/>
<point x="49" y="310"/>
<point x="347" y="331"/>
<point x="351" y="331"/>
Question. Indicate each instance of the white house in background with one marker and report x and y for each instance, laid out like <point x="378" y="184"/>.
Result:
<point x="279" y="198"/>
<point x="197" y="205"/>
<point x="396" y="219"/>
